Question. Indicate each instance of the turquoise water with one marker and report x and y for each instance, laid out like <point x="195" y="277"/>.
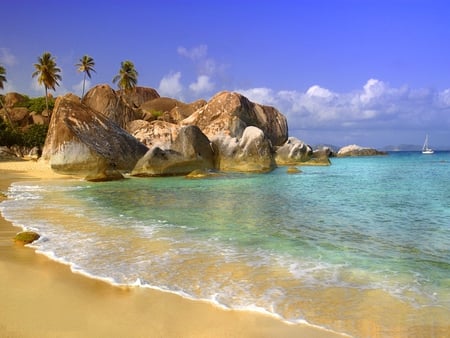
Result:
<point x="259" y="242"/>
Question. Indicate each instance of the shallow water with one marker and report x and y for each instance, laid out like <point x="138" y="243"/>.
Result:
<point x="360" y="247"/>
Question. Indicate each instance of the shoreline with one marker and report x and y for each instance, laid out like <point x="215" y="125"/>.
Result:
<point x="41" y="297"/>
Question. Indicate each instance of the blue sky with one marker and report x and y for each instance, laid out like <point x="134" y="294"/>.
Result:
<point x="368" y="72"/>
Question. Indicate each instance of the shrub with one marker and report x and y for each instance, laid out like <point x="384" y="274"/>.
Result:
<point x="35" y="136"/>
<point x="36" y="104"/>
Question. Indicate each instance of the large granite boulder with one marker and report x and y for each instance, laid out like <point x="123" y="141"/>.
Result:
<point x="190" y="151"/>
<point x="103" y="99"/>
<point x="296" y="152"/>
<point x="293" y="152"/>
<point x="136" y="97"/>
<point x="156" y="133"/>
<point x="356" y="150"/>
<point x="12" y="98"/>
<point x="229" y="113"/>
<point x="169" y="110"/>
<point x="81" y="140"/>
<point x="251" y="153"/>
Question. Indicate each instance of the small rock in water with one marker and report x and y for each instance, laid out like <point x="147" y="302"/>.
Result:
<point x="293" y="170"/>
<point x="26" y="237"/>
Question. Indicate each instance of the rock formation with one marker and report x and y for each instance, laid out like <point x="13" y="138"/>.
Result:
<point x="355" y="150"/>
<point x="229" y="113"/>
<point x="82" y="140"/>
<point x="190" y="151"/>
<point x="251" y="153"/>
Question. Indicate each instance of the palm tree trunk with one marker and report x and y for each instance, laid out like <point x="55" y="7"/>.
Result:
<point x="7" y="115"/>
<point x="84" y="83"/>
<point x="46" y="101"/>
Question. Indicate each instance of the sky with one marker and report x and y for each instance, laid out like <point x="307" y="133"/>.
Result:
<point x="366" y="72"/>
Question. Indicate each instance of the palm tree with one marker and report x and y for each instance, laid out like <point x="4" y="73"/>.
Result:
<point x="127" y="77"/>
<point x="47" y="73"/>
<point x="2" y="81"/>
<point x="86" y="66"/>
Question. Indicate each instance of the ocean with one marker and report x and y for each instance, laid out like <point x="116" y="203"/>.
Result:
<point x="360" y="247"/>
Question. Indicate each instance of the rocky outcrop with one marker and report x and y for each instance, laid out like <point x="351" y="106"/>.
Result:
<point x="138" y="95"/>
<point x="156" y="133"/>
<point x="355" y="150"/>
<point x="82" y="140"/>
<point x="169" y="110"/>
<point x="191" y="150"/>
<point x="103" y="99"/>
<point x="12" y="98"/>
<point x="251" y="153"/>
<point x="293" y="152"/>
<point x="229" y="113"/>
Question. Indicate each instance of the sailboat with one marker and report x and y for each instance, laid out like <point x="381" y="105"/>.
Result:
<point x="425" y="148"/>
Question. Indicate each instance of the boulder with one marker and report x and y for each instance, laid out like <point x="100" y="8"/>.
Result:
<point x="103" y="99"/>
<point x="252" y="153"/>
<point x="136" y="97"/>
<point x="26" y="237"/>
<point x="155" y="133"/>
<point x="356" y="150"/>
<point x="293" y="152"/>
<point x="12" y="98"/>
<point x="20" y="116"/>
<point x="296" y="152"/>
<point x="169" y="110"/>
<point x="191" y="150"/>
<point x="81" y="140"/>
<point x="229" y="113"/>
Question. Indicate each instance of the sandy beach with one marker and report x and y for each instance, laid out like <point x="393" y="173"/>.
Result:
<point x="42" y="298"/>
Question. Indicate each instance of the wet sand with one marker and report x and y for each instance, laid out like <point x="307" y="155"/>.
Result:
<point x="42" y="298"/>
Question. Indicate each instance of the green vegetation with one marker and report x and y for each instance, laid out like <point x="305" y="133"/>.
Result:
<point x="127" y="77"/>
<point x="156" y="113"/>
<point x="33" y="136"/>
<point x="37" y="104"/>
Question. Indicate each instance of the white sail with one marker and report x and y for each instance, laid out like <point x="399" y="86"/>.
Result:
<point x="426" y="149"/>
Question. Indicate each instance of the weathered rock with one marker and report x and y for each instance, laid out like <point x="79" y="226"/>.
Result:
<point x="20" y="116"/>
<point x="26" y="237"/>
<point x="293" y="152"/>
<point x="168" y="109"/>
<point x="202" y="173"/>
<point x="12" y="98"/>
<point x="81" y="140"/>
<point x="104" y="174"/>
<point x="138" y="95"/>
<point x="155" y="133"/>
<point x="252" y="153"/>
<point x="355" y="150"/>
<point x="229" y="113"/>
<point x="103" y="99"/>
<point x="293" y="170"/>
<point x="191" y="150"/>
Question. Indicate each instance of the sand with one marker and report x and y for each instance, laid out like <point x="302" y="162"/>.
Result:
<point x="42" y="298"/>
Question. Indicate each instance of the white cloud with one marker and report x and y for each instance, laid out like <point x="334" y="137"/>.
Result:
<point x="195" y="53"/>
<point x="375" y="105"/>
<point x="170" y="85"/>
<point x="202" y="85"/>
<point x="7" y="58"/>
<point x="262" y="95"/>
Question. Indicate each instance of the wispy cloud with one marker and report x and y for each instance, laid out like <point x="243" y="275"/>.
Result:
<point x="170" y="85"/>
<point x="202" y="85"/>
<point x="7" y="58"/>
